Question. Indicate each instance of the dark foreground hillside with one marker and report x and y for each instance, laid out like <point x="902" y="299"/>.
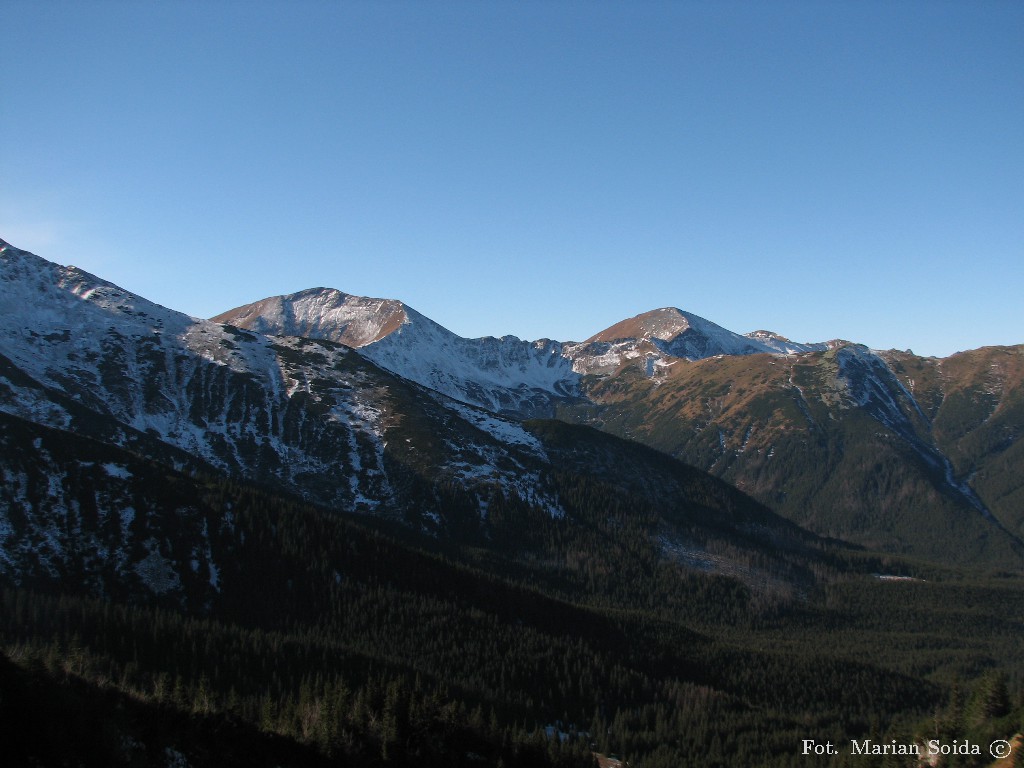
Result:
<point x="333" y="640"/>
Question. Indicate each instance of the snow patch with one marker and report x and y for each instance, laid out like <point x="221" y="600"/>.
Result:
<point x="117" y="470"/>
<point x="501" y="429"/>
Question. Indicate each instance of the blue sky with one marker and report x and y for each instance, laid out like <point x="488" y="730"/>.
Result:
<point x="821" y="169"/>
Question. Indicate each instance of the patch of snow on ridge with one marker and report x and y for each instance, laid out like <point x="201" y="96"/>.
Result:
<point x="502" y="430"/>
<point x="602" y="357"/>
<point x="783" y="346"/>
<point x="869" y="384"/>
<point x="117" y="470"/>
<point x="482" y="465"/>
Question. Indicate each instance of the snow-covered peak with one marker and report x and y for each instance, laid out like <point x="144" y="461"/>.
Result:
<point x="503" y="375"/>
<point x="324" y="313"/>
<point x="665" y="324"/>
<point x="681" y="334"/>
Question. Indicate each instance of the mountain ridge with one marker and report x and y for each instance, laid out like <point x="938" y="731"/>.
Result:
<point x="615" y="379"/>
<point x="801" y="431"/>
<point x="307" y="417"/>
<point x="505" y="374"/>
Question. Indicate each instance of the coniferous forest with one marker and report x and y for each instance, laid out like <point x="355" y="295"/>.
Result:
<point x="326" y="638"/>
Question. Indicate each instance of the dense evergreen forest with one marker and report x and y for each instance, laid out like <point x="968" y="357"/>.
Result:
<point x="520" y="640"/>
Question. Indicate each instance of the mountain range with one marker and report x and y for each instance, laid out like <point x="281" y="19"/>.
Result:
<point x="85" y="363"/>
<point x="886" y="449"/>
<point x="347" y="400"/>
<point x="321" y="529"/>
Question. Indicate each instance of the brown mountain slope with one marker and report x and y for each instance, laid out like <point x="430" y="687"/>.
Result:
<point x="975" y="400"/>
<point x="833" y="440"/>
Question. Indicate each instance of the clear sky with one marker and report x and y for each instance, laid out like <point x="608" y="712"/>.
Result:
<point x="822" y="169"/>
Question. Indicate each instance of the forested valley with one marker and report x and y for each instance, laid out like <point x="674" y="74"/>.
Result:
<point x="323" y="638"/>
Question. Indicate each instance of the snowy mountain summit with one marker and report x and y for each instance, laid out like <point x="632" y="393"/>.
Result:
<point x="681" y="334"/>
<point x="506" y="375"/>
<point x="323" y="313"/>
<point x="685" y="335"/>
